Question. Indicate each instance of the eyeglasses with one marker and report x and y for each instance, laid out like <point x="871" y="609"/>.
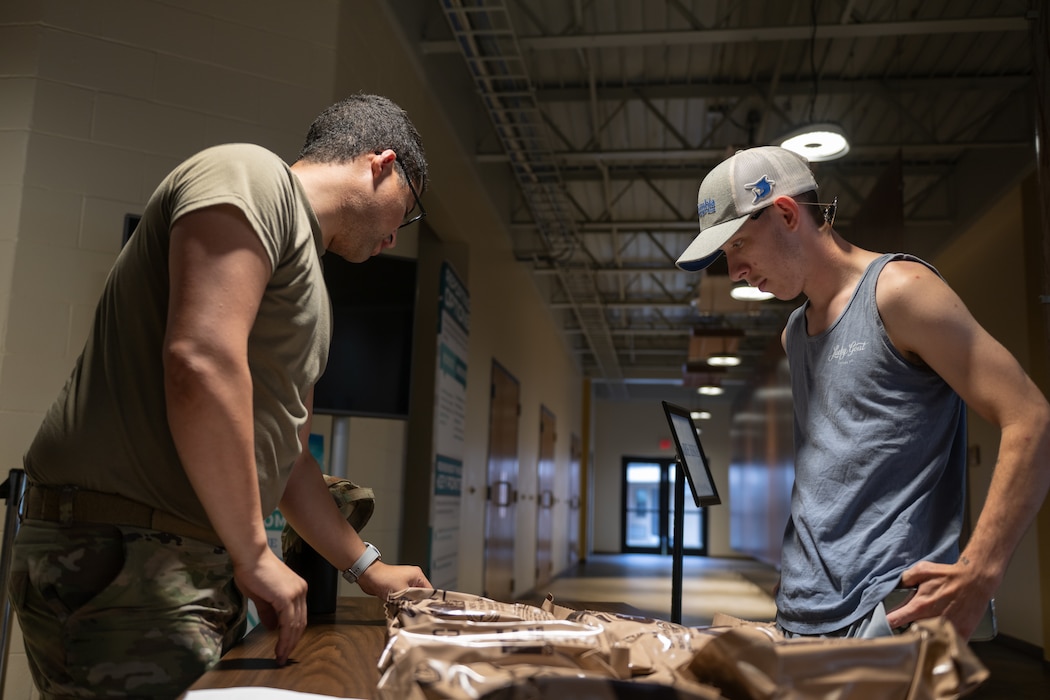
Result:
<point x="411" y="187"/>
<point x="829" y="210"/>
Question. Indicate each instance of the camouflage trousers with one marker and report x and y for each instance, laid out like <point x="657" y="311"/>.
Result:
<point x="114" y="611"/>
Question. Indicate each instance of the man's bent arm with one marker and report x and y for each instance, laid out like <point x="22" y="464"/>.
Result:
<point x="927" y="321"/>
<point x="310" y="509"/>
<point x="218" y="271"/>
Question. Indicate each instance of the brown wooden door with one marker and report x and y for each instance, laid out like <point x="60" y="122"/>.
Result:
<point x="545" y="498"/>
<point x="502" y="487"/>
<point x="572" y="551"/>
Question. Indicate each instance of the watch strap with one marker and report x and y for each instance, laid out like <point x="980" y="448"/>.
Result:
<point x="370" y="556"/>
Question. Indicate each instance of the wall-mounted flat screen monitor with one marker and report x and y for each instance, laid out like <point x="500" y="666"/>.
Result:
<point x="369" y="370"/>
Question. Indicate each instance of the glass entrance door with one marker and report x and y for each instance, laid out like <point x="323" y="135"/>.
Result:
<point x="648" y="509"/>
<point x="644" y="526"/>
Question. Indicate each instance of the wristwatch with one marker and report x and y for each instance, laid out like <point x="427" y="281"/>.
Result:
<point x="371" y="556"/>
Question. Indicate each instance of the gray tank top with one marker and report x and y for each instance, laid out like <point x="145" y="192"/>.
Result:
<point x="880" y="466"/>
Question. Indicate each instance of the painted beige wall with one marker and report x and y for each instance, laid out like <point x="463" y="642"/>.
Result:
<point x="100" y="100"/>
<point x="985" y="267"/>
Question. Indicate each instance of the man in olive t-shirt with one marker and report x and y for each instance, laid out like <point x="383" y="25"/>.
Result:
<point x="186" y="416"/>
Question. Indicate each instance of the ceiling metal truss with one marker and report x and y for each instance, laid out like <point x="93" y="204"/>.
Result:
<point x="608" y="113"/>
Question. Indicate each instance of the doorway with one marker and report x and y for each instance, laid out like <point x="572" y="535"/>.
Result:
<point x="647" y="523"/>
<point x="572" y="552"/>
<point x="502" y="488"/>
<point x="545" y="498"/>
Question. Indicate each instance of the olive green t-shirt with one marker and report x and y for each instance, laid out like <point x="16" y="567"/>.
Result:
<point x="108" y="429"/>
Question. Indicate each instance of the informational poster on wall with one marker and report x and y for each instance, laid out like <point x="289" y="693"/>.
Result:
<point x="450" y="398"/>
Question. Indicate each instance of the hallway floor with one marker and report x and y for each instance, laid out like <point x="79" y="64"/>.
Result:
<point x="743" y="588"/>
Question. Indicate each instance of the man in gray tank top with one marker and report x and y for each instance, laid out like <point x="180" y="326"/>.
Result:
<point x="884" y="360"/>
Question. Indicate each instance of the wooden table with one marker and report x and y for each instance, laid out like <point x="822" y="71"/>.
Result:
<point x="337" y="655"/>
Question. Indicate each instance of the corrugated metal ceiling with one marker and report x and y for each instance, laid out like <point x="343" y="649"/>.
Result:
<point x="608" y="113"/>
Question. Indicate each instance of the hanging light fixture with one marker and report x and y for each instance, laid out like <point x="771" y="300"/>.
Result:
<point x="723" y="359"/>
<point x="700" y="415"/>
<point x="726" y="355"/>
<point x="816" y="141"/>
<point x="710" y="390"/>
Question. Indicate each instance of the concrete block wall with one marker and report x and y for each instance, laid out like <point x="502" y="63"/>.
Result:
<point x="98" y="100"/>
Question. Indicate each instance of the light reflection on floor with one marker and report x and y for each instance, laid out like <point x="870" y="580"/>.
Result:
<point x="709" y="585"/>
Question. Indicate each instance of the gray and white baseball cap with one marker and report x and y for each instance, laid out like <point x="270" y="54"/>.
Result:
<point x="736" y="188"/>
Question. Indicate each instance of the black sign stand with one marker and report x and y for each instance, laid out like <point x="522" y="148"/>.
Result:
<point x="677" y="550"/>
<point x="688" y="447"/>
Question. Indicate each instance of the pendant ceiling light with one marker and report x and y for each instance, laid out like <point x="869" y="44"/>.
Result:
<point x="817" y="142"/>
<point x="723" y="359"/>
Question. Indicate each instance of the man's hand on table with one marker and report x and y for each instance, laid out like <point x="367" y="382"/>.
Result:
<point x="279" y="595"/>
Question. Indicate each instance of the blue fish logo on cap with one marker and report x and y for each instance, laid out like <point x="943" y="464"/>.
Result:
<point x="761" y="188"/>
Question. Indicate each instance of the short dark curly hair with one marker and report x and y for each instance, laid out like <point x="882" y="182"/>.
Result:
<point x="364" y="123"/>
